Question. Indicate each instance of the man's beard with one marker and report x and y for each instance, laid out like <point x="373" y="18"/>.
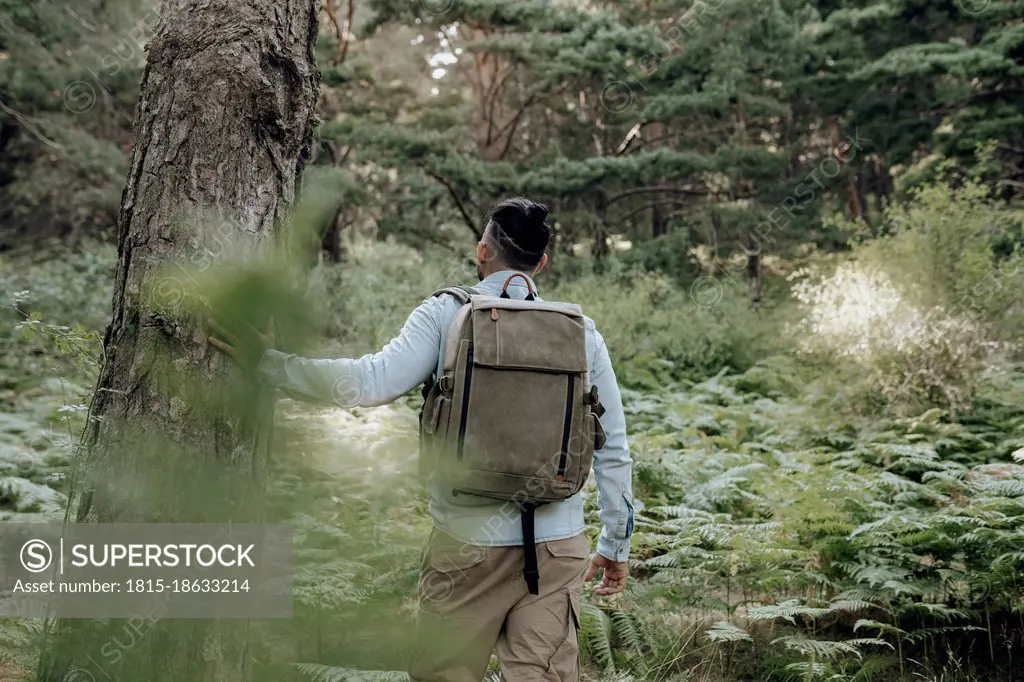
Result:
<point x="480" y="271"/>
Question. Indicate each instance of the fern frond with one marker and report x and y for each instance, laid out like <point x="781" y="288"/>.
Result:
<point x="923" y="634"/>
<point x="626" y="629"/>
<point x="786" y="610"/>
<point x="851" y="605"/>
<point x="724" y="631"/>
<point x="596" y="636"/>
<point x="817" y="648"/>
<point x="325" y="673"/>
<point x="873" y="667"/>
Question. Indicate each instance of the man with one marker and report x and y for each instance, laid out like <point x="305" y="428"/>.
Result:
<point x="473" y="596"/>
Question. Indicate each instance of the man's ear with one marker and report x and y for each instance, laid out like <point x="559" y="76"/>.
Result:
<point x="481" y="252"/>
<point x="541" y="264"/>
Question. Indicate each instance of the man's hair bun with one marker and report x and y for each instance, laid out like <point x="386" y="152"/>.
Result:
<point x="537" y="214"/>
<point x="521" y="230"/>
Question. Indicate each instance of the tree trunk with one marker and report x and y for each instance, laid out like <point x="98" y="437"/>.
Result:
<point x="331" y="242"/>
<point x="755" y="272"/>
<point x="223" y="129"/>
<point x="659" y="219"/>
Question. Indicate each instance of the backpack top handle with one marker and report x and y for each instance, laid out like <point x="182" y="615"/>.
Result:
<point x="530" y="293"/>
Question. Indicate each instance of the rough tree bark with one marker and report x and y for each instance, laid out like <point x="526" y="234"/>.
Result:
<point x="223" y="129"/>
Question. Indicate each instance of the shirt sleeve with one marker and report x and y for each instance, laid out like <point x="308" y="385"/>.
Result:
<point x="613" y="467"/>
<point x="404" y="363"/>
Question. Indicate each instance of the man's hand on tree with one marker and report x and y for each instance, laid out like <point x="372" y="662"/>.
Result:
<point x="248" y="352"/>
<point x="615" y="575"/>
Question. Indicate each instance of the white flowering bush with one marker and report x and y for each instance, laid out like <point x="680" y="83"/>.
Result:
<point x="856" y="312"/>
<point x="899" y="354"/>
<point x="910" y="318"/>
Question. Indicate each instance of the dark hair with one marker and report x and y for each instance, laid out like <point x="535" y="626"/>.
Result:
<point x="518" y="229"/>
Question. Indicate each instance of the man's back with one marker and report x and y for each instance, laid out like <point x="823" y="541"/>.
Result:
<point x="488" y="523"/>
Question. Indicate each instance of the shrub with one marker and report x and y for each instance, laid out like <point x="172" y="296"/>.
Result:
<point x="657" y="331"/>
<point x="365" y="301"/>
<point x="940" y="251"/>
<point x="61" y="303"/>
<point x="909" y="319"/>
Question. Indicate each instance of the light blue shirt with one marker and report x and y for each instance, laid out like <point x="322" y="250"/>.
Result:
<point x="408" y="361"/>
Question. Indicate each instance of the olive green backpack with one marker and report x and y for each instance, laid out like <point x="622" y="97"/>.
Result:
<point x="512" y="416"/>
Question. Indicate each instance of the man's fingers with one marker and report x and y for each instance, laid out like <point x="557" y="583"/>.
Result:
<point x="265" y="333"/>
<point x="221" y="346"/>
<point x="610" y="586"/>
<point x="591" y="572"/>
<point x="614" y="582"/>
<point x="221" y="331"/>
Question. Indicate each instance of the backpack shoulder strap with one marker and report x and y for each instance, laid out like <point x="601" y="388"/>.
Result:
<point x="461" y="294"/>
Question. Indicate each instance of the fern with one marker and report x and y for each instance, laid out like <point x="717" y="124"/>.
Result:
<point x="724" y="631"/>
<point x="851" y="605"/>
<point x="596" y="636"/>
<point x="324" y="673"/>
<point x="786" y="611"/>
<point x="827" y="649"/>
<point x="628" y="630"/>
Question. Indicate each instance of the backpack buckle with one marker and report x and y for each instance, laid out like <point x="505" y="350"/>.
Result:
<point x="446" y="383"/>
<point x="594" y="401"/>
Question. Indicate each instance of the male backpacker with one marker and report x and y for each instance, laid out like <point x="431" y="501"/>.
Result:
<point x="536" y="353"/>
<point x="520" y="404"/>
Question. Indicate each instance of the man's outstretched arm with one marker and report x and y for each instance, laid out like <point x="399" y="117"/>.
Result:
<point x="405" y="362"/>
<point x="613" y="469"/>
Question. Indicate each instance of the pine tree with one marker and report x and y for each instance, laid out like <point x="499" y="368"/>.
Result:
<point x="224" y="126"/>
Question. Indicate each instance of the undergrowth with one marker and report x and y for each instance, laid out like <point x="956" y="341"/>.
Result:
<point x="777" y="538"/>
<point x="773" y="542"/>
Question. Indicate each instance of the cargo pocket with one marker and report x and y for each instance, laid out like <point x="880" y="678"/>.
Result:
<point x="569" y="548"/>
<point x="567" y="561"/>
<point x="564" y="664"/>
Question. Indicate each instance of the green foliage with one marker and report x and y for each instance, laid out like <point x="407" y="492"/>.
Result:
<point x="68" y="85"/>
<point x="658" y="332"/>
<point x="943" y="240"/>
<point x="869" y="521"/>
<point x="913" y="318"/>
<point x="364" y="305"/>
<point x="51" y="318"/>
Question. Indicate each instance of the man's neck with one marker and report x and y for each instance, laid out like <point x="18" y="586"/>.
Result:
<point x="508" y="270"/>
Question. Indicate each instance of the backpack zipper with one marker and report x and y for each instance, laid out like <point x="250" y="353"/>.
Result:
<point x="465" y="404"/>
<point x="564" y="457"/>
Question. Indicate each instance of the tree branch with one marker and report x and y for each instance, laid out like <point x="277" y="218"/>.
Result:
<point x="657" y="188"/>
<point x="647" y="207"/>
<point x="27" y="125"/>
<point x="348" y="29"/>
<point x="458" y="203"/>
<point x="509" y="129"/>
<point x="332" y="15"/>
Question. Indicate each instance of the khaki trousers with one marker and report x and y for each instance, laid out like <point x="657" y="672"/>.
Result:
<point x="474" y="600"/>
